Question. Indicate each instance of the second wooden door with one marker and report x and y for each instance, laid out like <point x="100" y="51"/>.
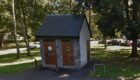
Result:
<point x="67" y="50"/>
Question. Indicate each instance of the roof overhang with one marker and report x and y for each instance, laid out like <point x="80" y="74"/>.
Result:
<point x="57" y="37"/>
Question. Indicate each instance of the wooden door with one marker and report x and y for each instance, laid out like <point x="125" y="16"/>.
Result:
<point x="67" y="50"/>
<point x="50" y="50"/>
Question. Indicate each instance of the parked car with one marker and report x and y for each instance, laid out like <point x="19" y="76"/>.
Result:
<point x="35" y="45"/>
<point x="138" y="42"/>
<point x="114" y="42"/>
<point x="103" y="42"/>
<point x="127" y="43"/>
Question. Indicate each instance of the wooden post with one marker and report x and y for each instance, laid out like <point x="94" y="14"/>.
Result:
<point x="88" y="51"/>
<point x="56" y="58"/>
<point x="56" y="66"/>
<point x="36" y="63"/>
<point x="56" y="63"/>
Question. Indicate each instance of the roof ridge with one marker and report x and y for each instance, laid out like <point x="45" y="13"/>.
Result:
<point x="63" y="15"/>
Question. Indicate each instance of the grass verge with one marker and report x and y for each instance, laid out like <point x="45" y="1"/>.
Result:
<point x="117" y="63"/>
<point x="14" y="69"/>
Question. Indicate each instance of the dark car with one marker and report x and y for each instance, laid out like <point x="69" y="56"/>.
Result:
<point x="127" y="43"/>
<point x="114" y="42"/>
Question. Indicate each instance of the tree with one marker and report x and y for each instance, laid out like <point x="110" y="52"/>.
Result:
<point x="24" y="21"/>
<point x="132" y="29"/>
<point x="5" y="20"/>
<point x="15" y="30"/>
<point x="30" y="15"/>
<point x="122" y="17"/>
<point x="110" y="18"/>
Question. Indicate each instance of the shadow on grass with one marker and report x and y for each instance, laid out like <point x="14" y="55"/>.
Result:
<point x="8" y="58"/>
<point x="117" y="63"/>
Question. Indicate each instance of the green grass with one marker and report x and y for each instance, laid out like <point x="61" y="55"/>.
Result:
<point x="117" y="63"/>
<point x="13" y="69"/>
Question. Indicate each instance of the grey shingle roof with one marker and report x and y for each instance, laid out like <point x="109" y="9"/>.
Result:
<point x="61" y="26"/>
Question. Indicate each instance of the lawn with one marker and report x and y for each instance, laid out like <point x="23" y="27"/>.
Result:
<point x="117" y="63"/>
<point x="11" y="58"/>
<point x="14" y="69"/>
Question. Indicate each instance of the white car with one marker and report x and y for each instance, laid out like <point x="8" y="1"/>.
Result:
<point x="35" y="45"/>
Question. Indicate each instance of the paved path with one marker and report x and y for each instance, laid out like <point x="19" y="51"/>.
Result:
<point x="20" y="62"/>
<point x="12" y="51"/>
<point x="9" y="51"/>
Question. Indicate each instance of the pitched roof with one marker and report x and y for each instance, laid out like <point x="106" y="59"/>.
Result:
<point x="61" y="26"/>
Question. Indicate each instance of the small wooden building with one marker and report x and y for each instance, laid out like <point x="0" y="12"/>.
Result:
<point x="64" y="41"/>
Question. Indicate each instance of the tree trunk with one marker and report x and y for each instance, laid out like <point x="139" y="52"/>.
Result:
<point x="89" y="15"/>
<point x="70" y="4"/>
<point x="25" y="29"/>
<point x="1" y="41"/>
<point x="134" y="35"/>
<point x="26" y="36"/>
<point x="105" y="43"/>
<point x="135" y="10"/>
<point x="15" y="31"/>
<point x="127" y="10"/>
<point x="134" y="52"/>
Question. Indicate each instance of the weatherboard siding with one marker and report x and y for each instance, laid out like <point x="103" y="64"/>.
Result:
<point x="42" y="52"/>
<point x="76" y="53"/>
<point x="84" y="37"/>
<point x="59" y="53"/>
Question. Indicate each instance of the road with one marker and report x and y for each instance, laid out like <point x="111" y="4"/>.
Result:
<point x="9" y="51"/>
